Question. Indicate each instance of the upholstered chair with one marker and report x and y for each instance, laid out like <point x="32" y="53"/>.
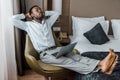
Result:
<point x="49" y="71"/>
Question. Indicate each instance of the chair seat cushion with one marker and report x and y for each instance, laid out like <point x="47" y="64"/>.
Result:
<point x="49" y="67"/>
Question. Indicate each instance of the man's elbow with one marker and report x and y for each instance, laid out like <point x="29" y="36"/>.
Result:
<point x="11" y="19"/>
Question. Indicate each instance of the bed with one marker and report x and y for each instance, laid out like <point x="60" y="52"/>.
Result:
<point x="108" y="10"/>
<point x="98" y="52"/>
<point x="86" y="46"/>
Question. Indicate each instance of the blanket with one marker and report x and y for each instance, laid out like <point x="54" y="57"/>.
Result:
<point x="98" y="75"/>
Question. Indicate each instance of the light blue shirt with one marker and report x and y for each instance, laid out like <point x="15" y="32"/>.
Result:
<point x="39" y="33"/>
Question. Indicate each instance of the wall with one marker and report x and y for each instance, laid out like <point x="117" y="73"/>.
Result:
<point x="64" y="18"/>
<point x="18" y="37"/>
<point x="30" y="3"/>
<point x="108" y="8"/>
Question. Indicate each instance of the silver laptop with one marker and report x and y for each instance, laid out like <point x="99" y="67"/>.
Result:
<point x="65" y="50"/>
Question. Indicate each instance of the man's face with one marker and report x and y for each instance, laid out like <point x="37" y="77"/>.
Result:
<point x="36" y="13"/>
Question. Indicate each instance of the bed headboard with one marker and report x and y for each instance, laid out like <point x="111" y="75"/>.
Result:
<point x="91" y="8"/>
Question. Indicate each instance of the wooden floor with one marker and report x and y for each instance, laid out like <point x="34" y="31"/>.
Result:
<point x="31" y="75"/>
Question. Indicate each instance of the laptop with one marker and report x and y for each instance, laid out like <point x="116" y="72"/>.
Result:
<point x="64" y="50"/>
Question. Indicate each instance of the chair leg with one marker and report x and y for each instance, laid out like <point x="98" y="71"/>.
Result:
<point x="48" y="78"/>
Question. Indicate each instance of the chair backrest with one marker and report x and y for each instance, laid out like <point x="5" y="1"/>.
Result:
<point x="29" y="49"/>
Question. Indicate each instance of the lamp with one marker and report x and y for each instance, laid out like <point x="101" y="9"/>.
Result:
<point x="57" y="5"/>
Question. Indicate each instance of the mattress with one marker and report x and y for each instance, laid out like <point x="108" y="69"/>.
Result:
<point x="86" y="46"/>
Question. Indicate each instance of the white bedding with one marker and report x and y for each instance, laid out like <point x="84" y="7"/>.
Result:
<point x="86" y="46"/>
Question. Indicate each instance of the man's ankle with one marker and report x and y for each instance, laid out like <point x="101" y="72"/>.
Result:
<point x="99" y="65"/>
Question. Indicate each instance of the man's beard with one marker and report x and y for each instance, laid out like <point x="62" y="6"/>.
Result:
<point x="39" y="18"/>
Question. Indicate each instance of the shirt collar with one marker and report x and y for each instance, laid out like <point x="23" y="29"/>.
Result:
<point x="37" y="22"/>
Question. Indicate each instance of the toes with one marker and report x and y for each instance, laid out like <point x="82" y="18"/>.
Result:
<point x="111" y="50"/>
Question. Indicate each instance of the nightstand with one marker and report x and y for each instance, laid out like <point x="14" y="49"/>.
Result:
<point x="64" y="41"/>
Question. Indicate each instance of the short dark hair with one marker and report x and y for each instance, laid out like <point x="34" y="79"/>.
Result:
<point x="30" y="11"/>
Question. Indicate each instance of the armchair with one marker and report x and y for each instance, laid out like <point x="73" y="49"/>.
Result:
<point x="50" y="72"/>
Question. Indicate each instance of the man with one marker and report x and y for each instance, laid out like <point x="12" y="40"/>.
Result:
<point x="40" y="33"/>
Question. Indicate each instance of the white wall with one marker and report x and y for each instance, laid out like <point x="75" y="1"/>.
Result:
<point x="7" y="49"/>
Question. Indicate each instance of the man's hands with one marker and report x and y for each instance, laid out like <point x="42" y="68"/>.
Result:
<point x="28" y="16"/>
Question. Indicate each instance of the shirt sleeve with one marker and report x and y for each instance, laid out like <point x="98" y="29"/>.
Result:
<point x="53" y="17"/>
<point x="17" y="22"/>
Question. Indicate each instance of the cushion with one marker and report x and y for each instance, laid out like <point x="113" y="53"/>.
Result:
<point x="80" y="26"/>
<point x="116" y="28"/>
<point x="74" y="21"/>
<point x="98" y="75"/>
<point x="96" y="35"/>
<point x="65" y="50"/>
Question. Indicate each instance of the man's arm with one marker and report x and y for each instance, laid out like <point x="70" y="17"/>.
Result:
<point x="16" y="20"/>
<point x="53" y="17"/>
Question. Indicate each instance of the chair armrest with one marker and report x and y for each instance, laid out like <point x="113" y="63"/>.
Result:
<point x="31" y="54"/>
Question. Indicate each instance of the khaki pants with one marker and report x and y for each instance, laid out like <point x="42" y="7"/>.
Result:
<point x="77" y="63"/>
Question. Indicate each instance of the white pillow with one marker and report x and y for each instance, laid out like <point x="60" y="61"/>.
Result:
<point x="80" y="26"/>
<point x="116" y="28"/>
<point x="95" y="19"/>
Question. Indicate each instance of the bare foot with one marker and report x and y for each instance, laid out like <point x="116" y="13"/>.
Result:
<point x="107" y="62"/>
<point x="113" y="66"/>
<point x="111" y="51"/>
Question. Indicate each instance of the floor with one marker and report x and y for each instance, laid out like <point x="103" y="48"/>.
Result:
<point x="31" y="75"/>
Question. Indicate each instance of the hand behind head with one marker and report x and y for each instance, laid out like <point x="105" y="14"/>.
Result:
<point x="28" y="16"/>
